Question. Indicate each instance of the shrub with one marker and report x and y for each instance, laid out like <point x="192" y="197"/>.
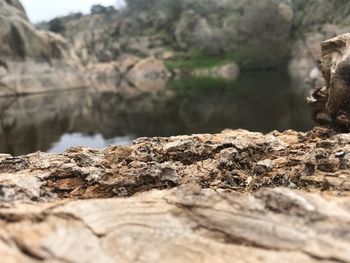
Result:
<point x="56" y="25"/>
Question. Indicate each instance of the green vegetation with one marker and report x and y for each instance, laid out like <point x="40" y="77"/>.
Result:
<point x="100" y="9"/>
<point x="214" y="100"/>
<point x="56" y="25"/>
<point x="198" y="59"/>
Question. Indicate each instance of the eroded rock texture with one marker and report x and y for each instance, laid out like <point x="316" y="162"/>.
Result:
<point x="280" y="197"/>
<point x="330" y="104"/>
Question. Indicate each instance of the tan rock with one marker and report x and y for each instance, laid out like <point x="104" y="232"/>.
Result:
<point x="202" y="195"/>
<point x="167" y="55"/>
<point x="131" y="73"/>
<point x="229" y="158"/>
<point x="148" y="74"/>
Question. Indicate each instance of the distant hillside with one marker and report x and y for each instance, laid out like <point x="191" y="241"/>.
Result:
<point x="264" y="34"/>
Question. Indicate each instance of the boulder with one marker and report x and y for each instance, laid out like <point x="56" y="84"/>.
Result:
<point x="35" y="60"/>
<point x="131" y="72"/>
<point x="149" y="68"/>
<point x="149" y="74"/>
<point x="100" y="72"/>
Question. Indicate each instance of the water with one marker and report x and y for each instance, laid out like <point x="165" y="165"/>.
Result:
<point x="53" y="122"/>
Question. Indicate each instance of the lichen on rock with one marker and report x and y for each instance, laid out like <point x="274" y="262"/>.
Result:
<point x="237" y="194"/>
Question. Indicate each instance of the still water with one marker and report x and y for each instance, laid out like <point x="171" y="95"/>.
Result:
<point x="53" y="122"/>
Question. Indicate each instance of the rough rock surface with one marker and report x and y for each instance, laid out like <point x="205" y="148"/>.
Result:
<point x="31" y="60"/>
<point x="330" y="103"/>
<point x="242" y="195"/>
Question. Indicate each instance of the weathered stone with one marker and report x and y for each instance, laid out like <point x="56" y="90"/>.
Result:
<point x="130" y="73"/>
<point x="218" y="28"/>
<point x="329" y="104"/>
<point x="272" y="225"/>
<point x="210" y="160"/>
<point x="203" y="191"/>
<point x="33" y="61"/>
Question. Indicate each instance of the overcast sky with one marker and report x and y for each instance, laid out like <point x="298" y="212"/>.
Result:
<point x="39" y="10"/>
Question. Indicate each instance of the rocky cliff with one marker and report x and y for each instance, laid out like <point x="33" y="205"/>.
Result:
<point x="211" y="38"/>
<point x="193" y="34"/>
<point x="31" y="60"/>
<point x="229" y="30"/>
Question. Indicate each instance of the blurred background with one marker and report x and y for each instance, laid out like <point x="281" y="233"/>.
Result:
<point x="94" y="73"/>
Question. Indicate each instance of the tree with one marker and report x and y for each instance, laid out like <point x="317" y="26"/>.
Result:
<point x="97" y="9"/>
<point x="56" y="25"/>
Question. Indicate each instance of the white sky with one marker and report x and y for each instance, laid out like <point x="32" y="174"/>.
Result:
<point x="40" y="10"/>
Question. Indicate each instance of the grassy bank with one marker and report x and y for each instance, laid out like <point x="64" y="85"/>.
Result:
<point x="196" y="59"/>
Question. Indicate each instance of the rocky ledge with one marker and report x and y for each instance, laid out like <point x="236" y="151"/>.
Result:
<point x="32" y="60"/>
<point x="280" y="197"/>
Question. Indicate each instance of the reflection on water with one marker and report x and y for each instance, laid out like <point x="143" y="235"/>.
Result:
<point x="52" y="122"/>
<point x="94" y="141"/>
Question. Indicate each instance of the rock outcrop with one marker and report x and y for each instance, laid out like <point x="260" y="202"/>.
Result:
<point x="242" y="195"/>
<point x="243" y="31"/>
<point x="330" y="103"/>
<point x="219" y="28"/>
<point x="31" y="60"/>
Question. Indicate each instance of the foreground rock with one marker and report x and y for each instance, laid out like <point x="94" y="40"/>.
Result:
<point x="272" y="225"/>
<point x="31" y="60"/>
<point x="181" y="194"/>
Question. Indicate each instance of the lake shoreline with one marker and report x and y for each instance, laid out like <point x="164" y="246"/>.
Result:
<point x="179" y="106"/>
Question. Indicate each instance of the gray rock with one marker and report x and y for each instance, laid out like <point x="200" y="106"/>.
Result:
<point x="33" y="60"/>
